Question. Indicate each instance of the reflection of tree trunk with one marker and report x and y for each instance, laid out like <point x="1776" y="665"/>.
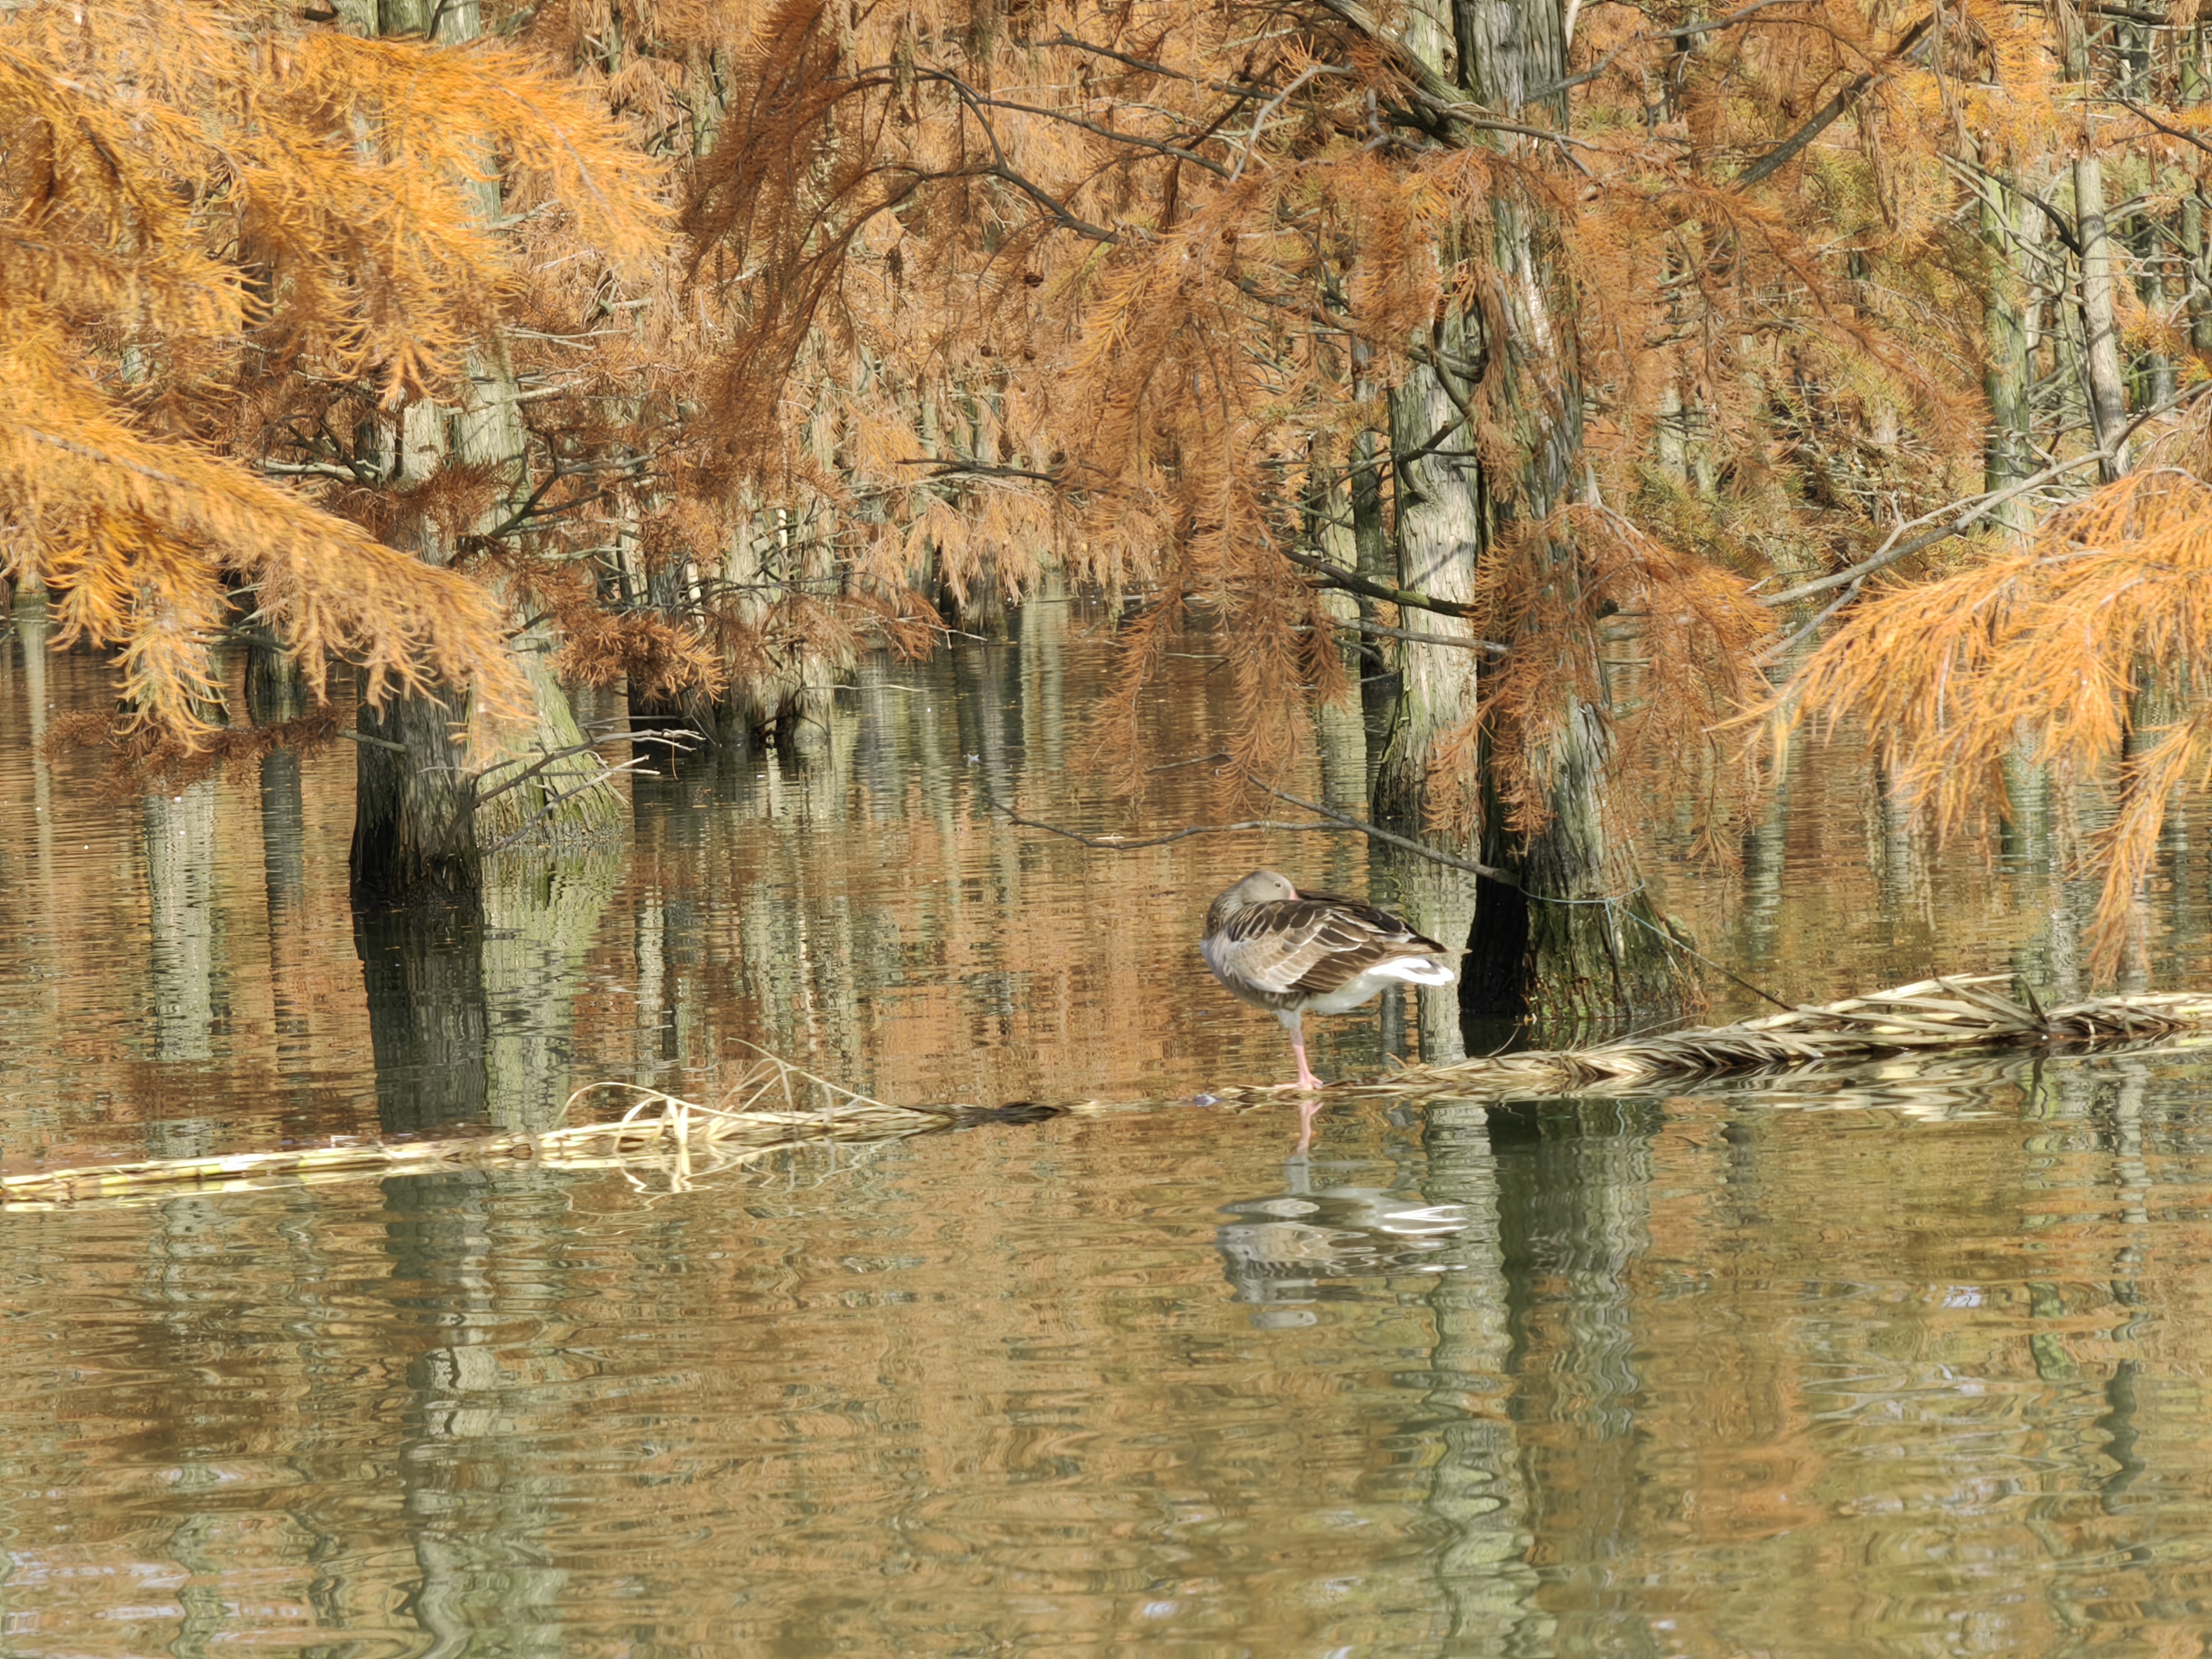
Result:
<point x="33" y="626"/>
<point x="422" y="967"/>
<point x="476" y="1525"/>
<point x="180" y="883"/>
<point x="990" y="719"/>
<point x="1041" y="626"/>
<point x="806" y="959"/>
<point x="660" y="1006"/>
<point x="1575" y="1184"/>
<point x="1476" y="1491"/>
<point x="274" y="695"/>
<point x="539" y="916"/>
<point x="471" y="1003"/>
<point x="1340" y="741"/>
<point x="1765" y="861"/>
<point x="283" y="863"/>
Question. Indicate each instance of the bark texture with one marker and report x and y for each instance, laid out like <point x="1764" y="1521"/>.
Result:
<point x="1573" y="934"/>
<point x="2006" y="234"/>
<point x="2100" y="365"/>
<point x="434" y="784"/>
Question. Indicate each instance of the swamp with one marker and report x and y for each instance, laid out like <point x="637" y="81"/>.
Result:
<point x="661" y="661"/>
<point x="1897" y="1356"/>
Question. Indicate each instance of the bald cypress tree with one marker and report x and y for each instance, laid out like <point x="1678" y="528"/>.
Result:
<point x="251" y="264"/>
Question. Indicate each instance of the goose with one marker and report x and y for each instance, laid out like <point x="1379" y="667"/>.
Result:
<point x="1292" y="952"/>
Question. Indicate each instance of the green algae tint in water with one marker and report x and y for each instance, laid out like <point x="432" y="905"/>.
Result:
<point x="1904" y="1360"/>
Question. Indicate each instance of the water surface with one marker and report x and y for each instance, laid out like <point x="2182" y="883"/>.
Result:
<point x="1906" y="1360"/>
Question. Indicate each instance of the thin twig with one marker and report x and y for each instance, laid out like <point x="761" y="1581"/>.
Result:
<point x="1337" y="576"/>
<point x="1504" y="878"/>
<point x="1892" y="550"/>
<point x="1489" y="647"/>
<point x="374" y="742"/>
<point x="1111" y="843"/>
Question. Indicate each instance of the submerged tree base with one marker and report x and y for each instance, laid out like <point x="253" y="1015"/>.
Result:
<point x="778" y="1108"/>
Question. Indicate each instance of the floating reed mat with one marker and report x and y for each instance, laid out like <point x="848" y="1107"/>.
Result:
<point x="776" y="1107"/>
<point x="1932" y="1017"/>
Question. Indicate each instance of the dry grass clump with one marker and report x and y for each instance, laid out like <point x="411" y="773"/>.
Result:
<point x="775" y="1107"/>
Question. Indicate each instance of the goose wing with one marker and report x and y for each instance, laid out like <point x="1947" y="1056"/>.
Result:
<point x="1315" y="944"/>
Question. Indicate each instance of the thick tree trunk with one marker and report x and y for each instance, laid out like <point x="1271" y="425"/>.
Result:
<point x="1568" y="928"/>
<point x="1582" y="942"/>
<point x="1441" y="535"/>
<point x="434" y="785"/>
<point x="414" y="826"/>
<point x="1421" y="785"/>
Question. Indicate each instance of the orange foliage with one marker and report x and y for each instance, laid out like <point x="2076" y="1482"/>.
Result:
<point x="201" y="202"/>
<point x="2046" y="654"/>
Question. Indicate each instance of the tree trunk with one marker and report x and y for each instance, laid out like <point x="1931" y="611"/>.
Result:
<point x="2100" y="360"/>
<point x="433" y="784"/>
<point x="1373" y="556"/>
<point x="413" y="829"/>
<point x="2198" y="269"/>
<point x="1441" y="535"/>
<point x="2007" y="374"/>
<point x="1572" y="930"/>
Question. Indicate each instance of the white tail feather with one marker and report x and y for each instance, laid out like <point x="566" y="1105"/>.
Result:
<point x="1416" y="970"/>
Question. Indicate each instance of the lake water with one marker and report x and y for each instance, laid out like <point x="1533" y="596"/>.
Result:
<point x="1906" y="1361"/>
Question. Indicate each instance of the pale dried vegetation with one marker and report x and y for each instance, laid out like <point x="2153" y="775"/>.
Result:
<point x="775" y="1109"/>
<point x="827" y="320"/>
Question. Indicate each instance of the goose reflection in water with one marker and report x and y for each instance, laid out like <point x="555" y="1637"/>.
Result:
<point x="1312" y="1243"/>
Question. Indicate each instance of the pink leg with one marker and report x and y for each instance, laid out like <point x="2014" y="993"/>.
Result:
<point x="1306" y="1079"/>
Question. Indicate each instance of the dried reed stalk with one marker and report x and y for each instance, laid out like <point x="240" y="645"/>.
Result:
<point x="774" y="1106"/>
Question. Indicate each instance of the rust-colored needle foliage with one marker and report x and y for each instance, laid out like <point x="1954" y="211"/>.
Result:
<point x="2053" y="653"/>
<point x="1141" y="292"/>
<point x="1518" y="345"/>
<point x="199" y="200"/>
